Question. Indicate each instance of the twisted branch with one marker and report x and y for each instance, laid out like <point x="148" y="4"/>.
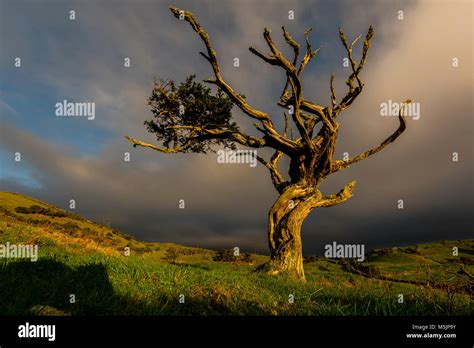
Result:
<point x="339" y="164"/>
<point x="282" y="143"/>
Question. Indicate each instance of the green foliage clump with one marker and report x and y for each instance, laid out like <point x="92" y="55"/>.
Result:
<point x="171" y="254"/>
<point x="225" y="255"/>
<point x="191" y="104"/>
<point x="190" y="251"/>
<point x="36" y="209"/>
<point x="228" y="255"/>
<point x="247" y="257"/>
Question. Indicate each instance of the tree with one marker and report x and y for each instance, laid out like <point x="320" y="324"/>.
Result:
<point x="207" y="122"/>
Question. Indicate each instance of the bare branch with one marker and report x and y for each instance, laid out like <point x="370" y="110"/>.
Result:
<point x="267" y="59"/>
<point x="296" y="116"/>
<point x="283" y="143"/>
<point x="283" y="62"/>
<point x="206" y="57"/>
<point x="354" y="91"/>
<point x="296" y="47"/>
<point x="277" y="179"/>
<point x="175" y="149"/>
<point x="310" y="54"/>
<point x="285" y="132"/>
<point x="292" y="79"/>
<point x="401" y="128"/>
<point x="333" y="92"/>
<point x="260" y="129"/>
<point x="199" y="133"/>
<point x="321" y="112"/>
<point x="338" y="198"/>
<point x="212" y="58"/>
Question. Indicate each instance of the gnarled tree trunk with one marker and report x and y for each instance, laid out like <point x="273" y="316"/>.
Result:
<point x="284" y="230"/>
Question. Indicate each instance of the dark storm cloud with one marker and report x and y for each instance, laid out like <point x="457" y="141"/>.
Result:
<point x="226" y="205"/>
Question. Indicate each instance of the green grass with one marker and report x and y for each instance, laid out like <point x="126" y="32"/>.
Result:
<point x="92" y="266"/>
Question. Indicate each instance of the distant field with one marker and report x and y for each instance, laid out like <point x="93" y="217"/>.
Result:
<point x="81" y="258"/>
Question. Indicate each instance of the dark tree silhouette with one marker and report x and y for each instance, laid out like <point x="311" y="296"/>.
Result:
<point x="207" y="121"/>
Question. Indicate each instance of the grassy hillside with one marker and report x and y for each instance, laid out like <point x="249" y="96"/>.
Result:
<point x="81" y="258"/>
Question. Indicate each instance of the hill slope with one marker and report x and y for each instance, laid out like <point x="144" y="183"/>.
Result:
<point x="84" y="269"/>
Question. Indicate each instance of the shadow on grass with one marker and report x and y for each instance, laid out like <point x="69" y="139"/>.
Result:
<point x="45" y="288"/>
<point x="48" y="283"/>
